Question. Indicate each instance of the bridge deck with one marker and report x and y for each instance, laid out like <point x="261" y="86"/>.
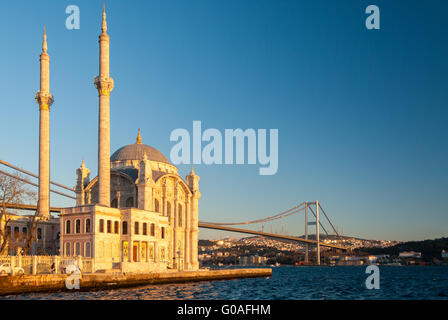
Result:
<point x="270" y="235"/>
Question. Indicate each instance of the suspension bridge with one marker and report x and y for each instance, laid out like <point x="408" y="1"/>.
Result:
<point x="312" y="212"/>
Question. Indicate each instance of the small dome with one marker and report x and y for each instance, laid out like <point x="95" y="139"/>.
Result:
<point x="136" y="151"/>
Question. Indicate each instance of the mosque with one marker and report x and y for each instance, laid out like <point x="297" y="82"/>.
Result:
<point x="138" y="214"/>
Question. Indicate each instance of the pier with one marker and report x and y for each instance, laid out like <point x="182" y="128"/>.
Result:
<point x="96" y="281"/>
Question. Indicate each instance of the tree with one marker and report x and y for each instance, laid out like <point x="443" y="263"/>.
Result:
<point x="12" y="190"/>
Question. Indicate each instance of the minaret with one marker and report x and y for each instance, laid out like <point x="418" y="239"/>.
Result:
<point x="83" y="179"/>
<point x="44" y="99"/>
<point x="105" y="85"/>
<point x="193" y="183"/>
<point x="145" y="184"/>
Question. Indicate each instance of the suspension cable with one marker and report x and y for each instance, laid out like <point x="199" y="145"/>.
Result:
<point x="33" y="175"/>
<point x="34" y="184"/>
<point x="274" y="217"/>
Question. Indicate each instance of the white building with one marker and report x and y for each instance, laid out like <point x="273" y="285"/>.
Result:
<point x="410" y="254"/>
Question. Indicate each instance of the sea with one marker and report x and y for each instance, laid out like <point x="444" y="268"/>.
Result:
<point x="287" y="283"/>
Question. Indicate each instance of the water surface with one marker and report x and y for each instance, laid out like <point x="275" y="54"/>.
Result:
<point x="286" y="283"/>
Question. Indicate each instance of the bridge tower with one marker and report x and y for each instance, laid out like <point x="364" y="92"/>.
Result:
<point x="312" y="223"/>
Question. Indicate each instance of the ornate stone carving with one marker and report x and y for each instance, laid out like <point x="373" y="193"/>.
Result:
<point x="44" y="100"/>
<point x="104" y="85"/>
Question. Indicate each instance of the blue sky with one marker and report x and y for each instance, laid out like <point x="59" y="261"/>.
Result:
<point x="361" y="114"/>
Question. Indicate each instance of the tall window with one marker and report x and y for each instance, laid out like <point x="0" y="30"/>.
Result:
<point x="145" y="226"/>
<point x="180" y="216"/>
<point x="101" y="225"/>
<point x="87" y="250"/>
<point x="156" y="205"/>
<point x="168" y="209"/>
<point x="163" y="232"/>
<point x="77" y="249"/>
<point x="67" y="227"/>
<point x="109" y="226"/>
<point x="124" y="227"/>
<point x="114" y="203"/>
<point x="87" y="225"/>
<point x="116" y="225"/>
<point x="67" y="248"/>
<point x="39" y="233"/>
<point x="25" y="231"/>
<point x="136" y="228"/>
<point x="8" y="230"/>
<point x="130" y="202"/>
<point x="78" y="226"/>
<point x="153" y="230"/>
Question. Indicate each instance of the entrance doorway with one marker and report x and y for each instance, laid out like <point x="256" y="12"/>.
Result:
<point x="135" y="252"/>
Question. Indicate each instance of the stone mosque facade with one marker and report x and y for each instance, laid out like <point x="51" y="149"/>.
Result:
<point x="138" y="214"/>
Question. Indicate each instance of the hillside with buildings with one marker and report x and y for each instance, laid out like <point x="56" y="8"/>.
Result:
<point x="267" y="251"/>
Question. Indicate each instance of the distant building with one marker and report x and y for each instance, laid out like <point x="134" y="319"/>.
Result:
<point x="444" y="254"/>
<point x="45" y="238"/>
<point x="252" y="260"/>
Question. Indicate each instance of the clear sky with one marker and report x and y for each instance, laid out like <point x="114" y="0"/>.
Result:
<point x="361" y="113"/>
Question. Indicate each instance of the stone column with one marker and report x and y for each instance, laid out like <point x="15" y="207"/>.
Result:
<point x="104" y="84"/>
<point x="187" y="241"/>
<point x="194" y="230"/>
<point x="175" y="233"/>
<point x="44" y="99"/>
<point x="34" y="265"/>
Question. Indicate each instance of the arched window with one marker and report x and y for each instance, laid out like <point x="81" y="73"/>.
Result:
<point x="145" y="229"/>
<point x="67" y="227"/>
<point x="101" y="225"/>
<point x="67" y="248"/>
<point x="168" y="209"/>
<point x="163" y="232"/>
<point x="25" y="231"/>
<point x="78" y="226"/>
<point x="136" y="228"/>
<point x="87" y="225"/>
<point x="77" y="249"/>
<point x="130" y="202"/>
<point x="153" y="230"/>
<point x="116" y="224"/>
<point x="180" y="216"/>
<point x="124" y="227"/>
<point x="87" y="250"/>
<point x="156" y="205"/>
<point x="109" y="226"/>
<point x="114" y="203"/>
<point x="39" y="233"/>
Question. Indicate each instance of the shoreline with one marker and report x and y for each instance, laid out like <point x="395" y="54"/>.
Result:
<point x="14" y="285"/>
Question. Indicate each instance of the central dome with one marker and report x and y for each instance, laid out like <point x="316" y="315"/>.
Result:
<point x="136" y="151"/>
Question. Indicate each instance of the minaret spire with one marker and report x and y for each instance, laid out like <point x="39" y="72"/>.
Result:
<point x="104" y="24"/>
<point x="44" y="42"/>
<point x="44" y="99"/>
<point x="104" y="84"/>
